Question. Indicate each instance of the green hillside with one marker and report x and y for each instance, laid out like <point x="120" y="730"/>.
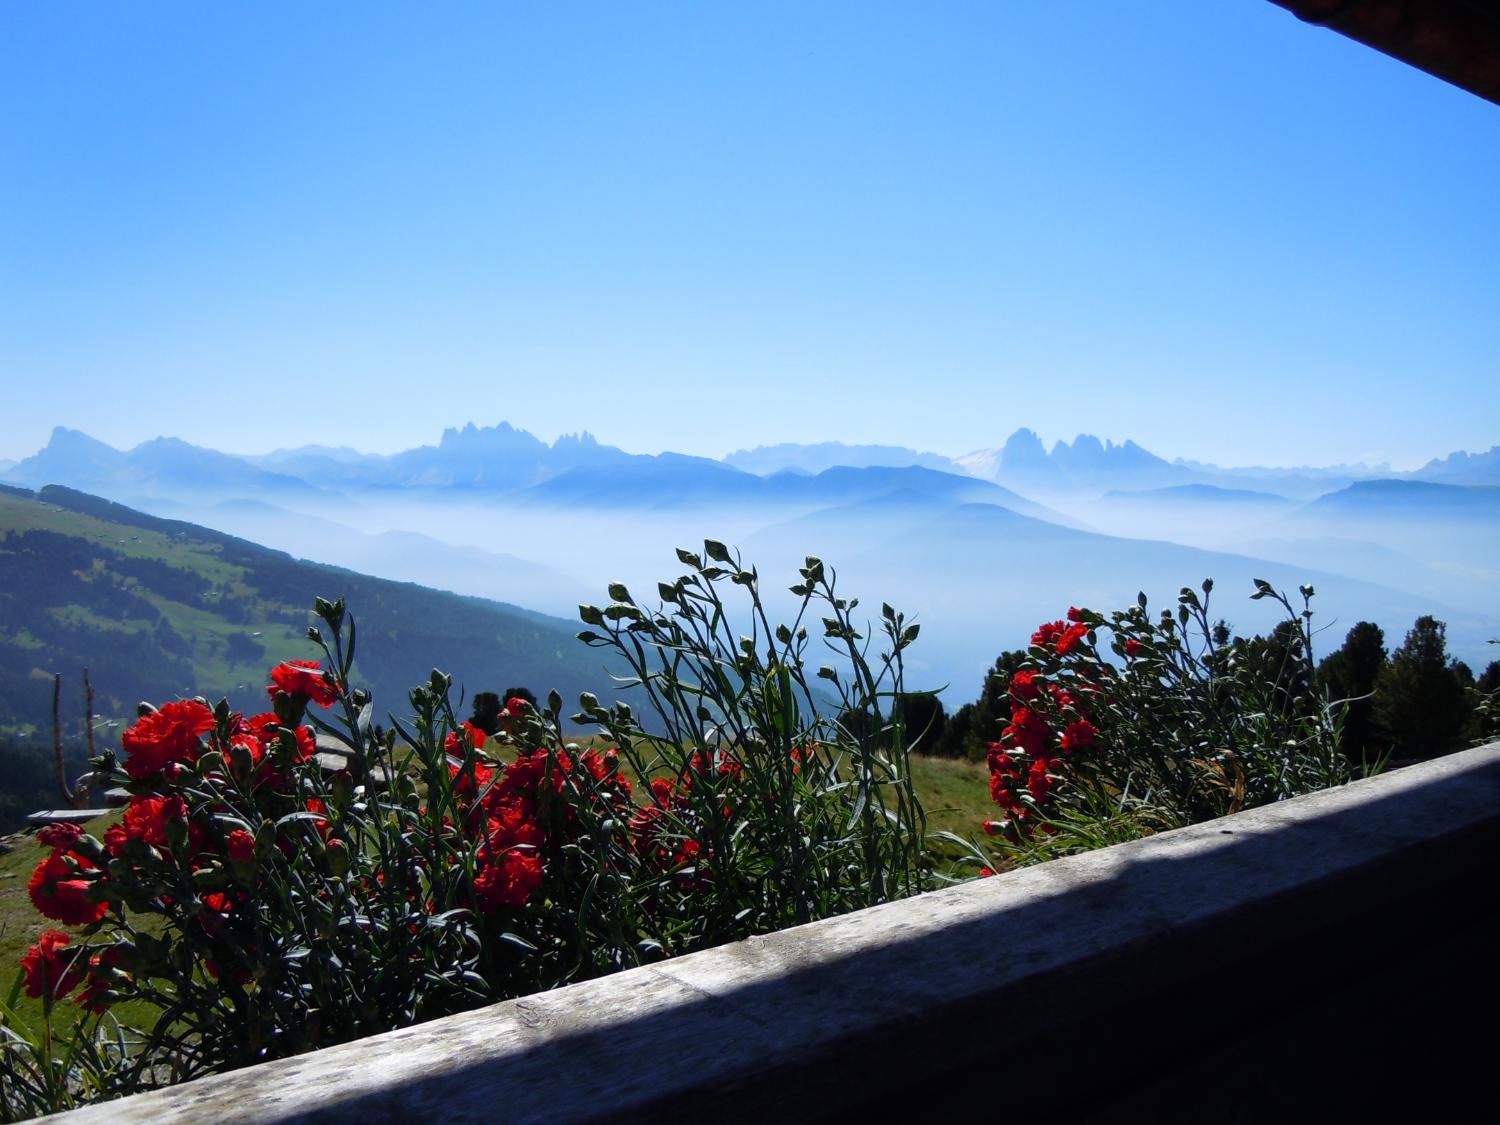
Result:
<point x="157" y="609"/>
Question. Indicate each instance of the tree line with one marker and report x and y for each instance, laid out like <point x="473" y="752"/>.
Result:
<point x="1407" y="704"/>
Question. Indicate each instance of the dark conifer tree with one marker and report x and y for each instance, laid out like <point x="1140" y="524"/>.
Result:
<point x="1422" y="706"/>
<point x="975" y="725"/>
<point x="486" y="714"/>
<point x="1350" y="674"/>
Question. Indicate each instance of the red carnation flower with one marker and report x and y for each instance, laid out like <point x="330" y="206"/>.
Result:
<point x="1039" y="782"/>
<point x="241" y="846"/>
<point x="1078" y="736"/>
<point x="1003" y="794"/>
<point x="510" y="881"/>
<point x="1075" y="614"/>
<point x="1024" y="686"/>
<point x="1070" y="638"/>
<point x="304" y="678"/>
<point x="146" y="820"/>
<point x="515" y="707"/>
<point x="1133" y="647"/>
<point x="1046" y="635"/>
<point x="60" y="836"/>
<point x="1000" y="760"/>
<point x="454" y="744"/>
<point x="170" y="734"/>
<point x="59" y="892"/>
<point x="96" y="996"/>
<point x="1028" y="730"/>
<point x="48" y="970"/>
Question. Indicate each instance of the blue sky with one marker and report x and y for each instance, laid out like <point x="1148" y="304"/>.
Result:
<point x="1204" y="226"/>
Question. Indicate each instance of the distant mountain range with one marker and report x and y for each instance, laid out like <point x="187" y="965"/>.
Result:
<point x="1090" y="466"/>
<point x="487" y="458"/>
<point x="503" y="459"/>
<point x="495" y="512"/>
<point x="160" y="467"/>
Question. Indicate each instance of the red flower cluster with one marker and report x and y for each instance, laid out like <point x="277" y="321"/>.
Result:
<point x="652" y="835"/>
<point x="503" y="818"/>
<point x="177" y="831"/>
<point x="50" y="969"/>
<point x="1048" y="724"/>
<point x="1059" y="636"/>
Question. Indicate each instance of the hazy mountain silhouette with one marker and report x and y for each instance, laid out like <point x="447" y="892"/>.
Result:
<point x="474" y="457"/>
<point x="1464" y="468"/>
<point x="161" y="467"/>
<point x="764" y="460"/>
<point x="1085" y="465"/>
<point x="1410" y="500"/>
<point x="1205" y="494"/>
<point x="674" y="481"/>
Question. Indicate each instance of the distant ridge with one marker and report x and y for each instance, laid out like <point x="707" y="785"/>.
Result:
<point x="1464" y="468"/>
<point x="1199" y="494"/>
<point x="1087" y="464"/>
<point x="1412" y="500"/>
<point x="160" y="467"/>
<point x="160" y="608"/>
<point x="504" y="458"/>
<point x="764" y="460"/>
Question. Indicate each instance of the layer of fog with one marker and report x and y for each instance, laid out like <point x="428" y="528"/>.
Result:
<point x="978" y="578"/>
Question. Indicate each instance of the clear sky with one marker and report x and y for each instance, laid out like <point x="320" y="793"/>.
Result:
<point x="1201" y="225"/>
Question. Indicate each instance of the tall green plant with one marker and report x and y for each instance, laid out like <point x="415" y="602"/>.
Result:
<point x="798" y="815"/>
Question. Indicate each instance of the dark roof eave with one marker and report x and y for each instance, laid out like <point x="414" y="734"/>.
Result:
<point x="1455" y="40"/>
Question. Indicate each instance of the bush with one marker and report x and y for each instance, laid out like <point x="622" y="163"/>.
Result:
<point x="1124" y="725"/>
<point x="262" y="905"/>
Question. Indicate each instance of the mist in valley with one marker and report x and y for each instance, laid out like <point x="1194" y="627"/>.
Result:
<point x="979" y="566"/>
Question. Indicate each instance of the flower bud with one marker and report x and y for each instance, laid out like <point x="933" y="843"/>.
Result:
<point x="338" y="857"/>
